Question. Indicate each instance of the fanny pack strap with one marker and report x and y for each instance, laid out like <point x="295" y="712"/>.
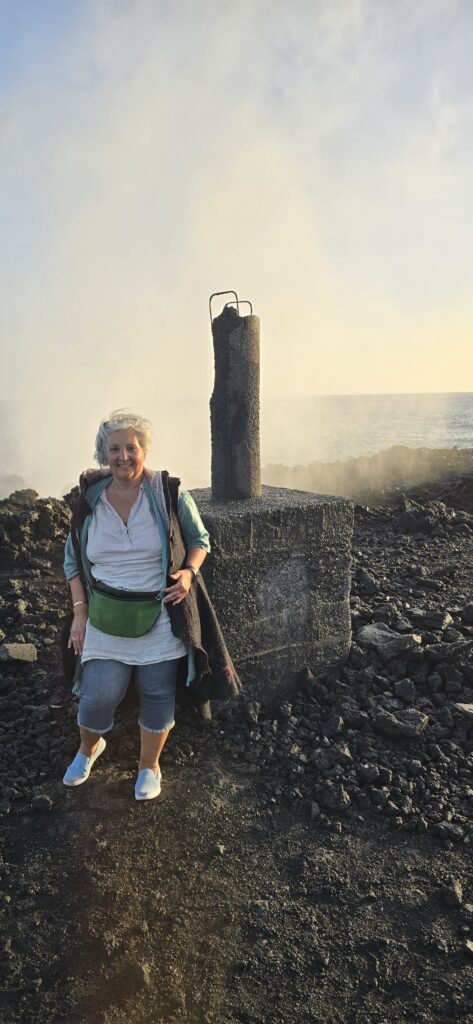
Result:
<point x="126" y="595"/>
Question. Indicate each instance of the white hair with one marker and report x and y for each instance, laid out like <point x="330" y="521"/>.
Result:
<point x="121" y="419"/>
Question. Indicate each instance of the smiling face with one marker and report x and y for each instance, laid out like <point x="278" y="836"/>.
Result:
<point x="125" y="456"/>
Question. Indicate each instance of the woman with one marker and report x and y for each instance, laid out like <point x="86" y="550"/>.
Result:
<point x="133" y="532"/>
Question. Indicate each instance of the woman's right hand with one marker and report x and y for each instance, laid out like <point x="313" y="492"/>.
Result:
<point x="79" y="622"/>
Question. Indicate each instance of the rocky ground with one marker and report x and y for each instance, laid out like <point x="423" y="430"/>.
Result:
<point x="369" y="479"/>
<point x="307" y="862"/>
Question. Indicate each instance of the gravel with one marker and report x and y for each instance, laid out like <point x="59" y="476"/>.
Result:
<point x="374" y="756"/>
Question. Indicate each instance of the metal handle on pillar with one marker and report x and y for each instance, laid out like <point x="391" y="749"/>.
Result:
<point x="214" y="296"/>
<point x="235" y="302"/>
<point x="240" y="302"/>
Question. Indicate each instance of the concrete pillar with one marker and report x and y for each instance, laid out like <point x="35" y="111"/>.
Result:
<point x="279" y="577"/>
<point x="234" y="407"/>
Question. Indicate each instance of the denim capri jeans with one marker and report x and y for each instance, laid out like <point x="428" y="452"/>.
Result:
<point x="104" y="685"/>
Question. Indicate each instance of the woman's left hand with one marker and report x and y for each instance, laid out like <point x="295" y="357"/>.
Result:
<point x="180" y="589"/>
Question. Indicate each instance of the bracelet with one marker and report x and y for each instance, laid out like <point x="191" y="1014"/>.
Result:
<point x="75" y="603"/>
<point x="195" y="572"/>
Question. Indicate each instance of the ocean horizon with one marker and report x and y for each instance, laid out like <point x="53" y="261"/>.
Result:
<point x="48" y="451"/>
<point x="332" y="427"/>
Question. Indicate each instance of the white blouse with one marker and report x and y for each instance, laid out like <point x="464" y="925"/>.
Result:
<point x="129" y="558"/>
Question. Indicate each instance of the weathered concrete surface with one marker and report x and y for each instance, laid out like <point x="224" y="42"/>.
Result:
<point x="279" y="576"/>
<point x="234" y="407"/>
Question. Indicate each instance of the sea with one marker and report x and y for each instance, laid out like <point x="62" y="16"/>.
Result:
<point x="46" y="445"/>
<point x="332" y="427"/>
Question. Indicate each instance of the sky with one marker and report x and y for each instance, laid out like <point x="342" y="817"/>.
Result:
<point x="315" y="156"/>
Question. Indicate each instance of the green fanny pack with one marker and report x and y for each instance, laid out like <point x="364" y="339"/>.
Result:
<point x="123" y="612"/>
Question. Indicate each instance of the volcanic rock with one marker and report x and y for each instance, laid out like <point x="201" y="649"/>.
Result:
<point x="461" y="653"/>
<point x="405" y="689"/>
<point x="333" y="725"/>
<point x="447" y="830"/>
<point x="452" y="893"/>
<point x="436" y="621"/>
<point x="465" y="709"/>
<point x="24" y="498"/>
<point x="333" y="796"/>
<point x="41" y="802"/>
<point x="368" y="772"/>
<point x="466" y="613"/>
<point x="18" y="652"/>
<point x="366" y="583"/>
<point x="379" y="736"/>
<point x="385" y="641"/>
<point x="409" y="723"/>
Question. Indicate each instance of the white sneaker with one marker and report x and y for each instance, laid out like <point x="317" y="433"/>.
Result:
<point x="148" y="784"/>
<point x="80" y="768"/>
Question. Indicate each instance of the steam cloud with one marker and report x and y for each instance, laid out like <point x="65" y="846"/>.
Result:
<point x="316" y="156"/>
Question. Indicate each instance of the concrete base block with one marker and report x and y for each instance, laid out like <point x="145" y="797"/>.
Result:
<point x="279" y="577"/>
